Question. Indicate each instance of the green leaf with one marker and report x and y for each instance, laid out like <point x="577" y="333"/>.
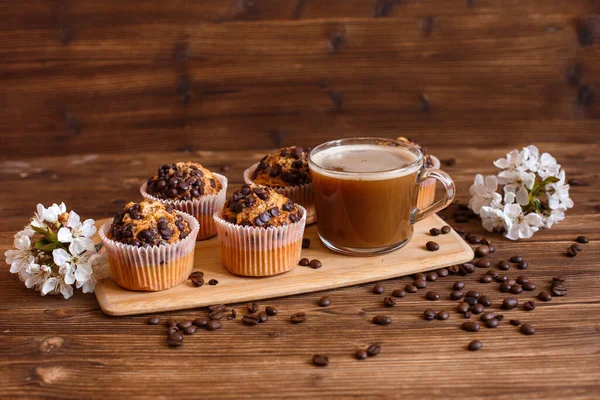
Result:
<point x="550" y="179"/>
<point x="99" y="246"/>
<point x="41" y="243"/>
<point x="45" y="245"/>
<point x="39" y="230"/>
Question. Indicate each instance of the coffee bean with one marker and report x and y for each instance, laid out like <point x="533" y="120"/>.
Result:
<point x="558" y="290"/>
<point x="475" y="345"/>
<point x="197" y="281"/>
<point x="250" y="319"/>
<point x="432" y="296"/>
<point x="271" y="311"/>
<point x="170" y="322"/>
<point x="481" y="263"/>
<point x="199" y="274"/>
<point x="252" y="307"/>
<point x="487" y="316"/>
<point x="399" y="293"/>
<point x="472" y="293"/>
<point x="477" y="308"/>
<point x="470" y="326"/>
<point x="501" y="278"/>
<point x="217" y="314"/>
<point x="213" y="325"/>
<point x="468" y="268"/>
<point x="443" y="315"/>
<point x="582" y="239"/>
<point x="410" y="288"/>
<point x="153" y="320"/>
<point x="527" y="329"/>
<point x="190" y="330"/>
<point x="378" y="288"/>
<point x="305" y="243"/>
<point x="471" y="301"/>
<point x="432" y="246"/>
<point x="468" y="314"/>
<point x="486" y="241"/>
<point x="389" y="301"/>
<point x="233" y="315"/>
<point x="325" y="301"/>
<point x="360" y="354"/>
<point x="184" y="324"/>
<point x="217" y="307"/>
<point x="298" y="318"/>
<point x="175" y="339"/>
<point x="382" y="320"/>
<point x="576" y="247"/>
<point x="442" y="273"/>
<point x="516" y="259"/>
<point x="462" y="307"/>
<point x="434" y="231"/>
<point x="492" y="323"/>
<point x="516" y="289"/>
<point x="459" y="230"/>
<point x="320" y="360"/>
<point x="429" y="314"/>
<point x="505" y="287"/>
<point x="432" y="276"/>
<point x="446" y="229"/>
<point x="482" y="251"/>
<point x="454" y="269"/>
<point x="510" y="303"/>
<point x="315" y="264"/>
<point x="200" y="322"/>
<point x="420" y="283"/>
<point x="521" y="279"/>
<point x="474" y="239"/>
<point x="262" y="317"/>
<point x="492" y="273"/>
<point x="544" y="296"/>
<point x="484" y="301"/>
<point x="213" y="282"/>
<point x="529" y="286"/>
<point x="419" y="276"/>
<point x="515" y="322"/>
<point x="373" y="350"/>
<point x="492" y="248"/>
<point x="572" y="252"/>
<point x="528" y="305"/>
<point x="522" y="265"/>
<point x="504" y="265"/>
<point x="486" y="279"/>
<point x="458" y="285"/>
<point x="456" y="295"/>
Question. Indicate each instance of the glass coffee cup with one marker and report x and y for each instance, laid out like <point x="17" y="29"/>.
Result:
<point x="366" y="190"/>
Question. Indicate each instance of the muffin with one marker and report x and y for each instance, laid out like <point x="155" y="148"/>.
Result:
<point x="191" y="188"/>
<point x="260" y="232"/>
<point x="286" y="171"/>
<point x="427" y="188"/>
<point x="150" y="246"/>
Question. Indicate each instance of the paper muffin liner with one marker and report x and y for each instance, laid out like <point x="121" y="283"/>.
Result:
<point x="427" y="188"/>
<point x="301" y="194"/>
<point x="151" y="268"/>
<point x="256" y="251"/>
<point x="202" y="208"/>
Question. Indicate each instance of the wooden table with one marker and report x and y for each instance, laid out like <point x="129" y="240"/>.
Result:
<point x="54" y="348"/>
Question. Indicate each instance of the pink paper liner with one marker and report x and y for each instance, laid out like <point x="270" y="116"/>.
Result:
<point x="255" y="251"/>
<point x="301" y="194"/>
<point x="151" y="268"/>
<point x="202" y="208"/>
<point x="427" y="188"/>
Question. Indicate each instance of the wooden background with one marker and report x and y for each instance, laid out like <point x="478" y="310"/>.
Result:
<point x="94" y="96"/>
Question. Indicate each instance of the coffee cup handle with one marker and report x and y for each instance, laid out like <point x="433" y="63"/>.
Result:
<point x="444" y="178"/>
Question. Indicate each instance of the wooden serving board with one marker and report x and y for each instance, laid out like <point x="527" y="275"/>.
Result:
<point x="337" y="271"/>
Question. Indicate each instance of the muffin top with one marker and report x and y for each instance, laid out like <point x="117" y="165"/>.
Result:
<point x="260" y="206"/>
<point x="285" y="167"/>
<point x="427" y="161"/>
<point x="183" y="181"/>
<point x="148" y="223"/>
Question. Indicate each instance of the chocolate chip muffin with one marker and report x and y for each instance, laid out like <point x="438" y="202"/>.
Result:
<point x="286" y="167"/>
<point x="149" y="223"/>
<point x="183" y="181"/>
<point x="260" y="206"/>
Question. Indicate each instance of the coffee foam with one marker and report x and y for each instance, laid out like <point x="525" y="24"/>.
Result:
<point x="368" y="162"/>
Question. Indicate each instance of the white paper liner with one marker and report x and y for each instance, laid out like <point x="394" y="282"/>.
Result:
<point x="301" y="194"/>
<point x="202" y="208"/>
<point x="427" y="188"/>
<point x="256" y="251"/>
<point x="151" y="268"/>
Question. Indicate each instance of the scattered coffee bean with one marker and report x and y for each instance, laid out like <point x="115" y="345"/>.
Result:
<point x="475" y="345"/>
<point x="459" y="230"/>
<point x="527" y="329"/>
<point x="325" y="301"/>
<point x="216" y="314"/>
<point x="429" y="314"/>
<point x="492" y="248"/>
<point x="544" y="296"/>
<point x="472" y="293"/>
<point x="432" y="296"/>
<point x="213" y="325"/>
<point x="510" y="303"/>
<point x="360" y="354"/>
<point x="522" y="265"/>
<point x="501" y="278"/>
<point x="576" y="247"/>
<point x="432" y="246"/>
<point x="482" y="251"/>
<point x="484" y="301"/>
<point x="446" y="229"/>
<point x="262" y="317"/>
<point x="454" y="269"/>
<point x="153" y="320"/>
<point x="505" y="287"/>
<point x="582" y="239"/>
<point x="521" y="279"/>
<point x="516" y="289"/>
<point x="213" y="282"/>
<point x="443" y="315"/>
<point x="432" y="276"/>
<point x="410" y="288"/>
<point x="399" y="293"/>
<point x="492" y="323"/>
<point x="492" y="273"/>
<point x="468" y="268"/>
<point x="462" y="307"/>
<point x="515" y="322"/>
<point x="442" y="273"/>
<point x="504" y="265"/>
<point x="373" y="350"/>
<point x="197" y="281"/>
<point x="481" y="263"/>
<point x="389" y="301"/>
<point x="320" y="360"/>
<point x="468" y="314"/>
<point x="190" y="330"/>
<point x="516" y="259"/>
<point x="271" y="311"/>
<point x="378" y="288"/>
<point x="250" y="319"/>
<point x="420" y="276"/>
<point x="487" y="316"/>
<point x="420" y="283"/>
<point x="477" y="308"/>
<point x="486" y="279"/>
<point x="232" y="315"/>
<point x="474" y="239"/>
<point x="471" y="301"/>
<point x="298" y="318"/>
<point x="434" y="231"/>
<point x="305" y="243"/>
<point x="184" y="324"/>
<point x="470" y="326"/>
<point x="528" y="305"/>
<point x="382" y="320"/>
<point x="572" y="252"/>
<point x="486" y="241"/>
<point x="315" y="264"/>
<point x="172" y="329"/>
<point x="458" y="285"/>
<point x="252" y="307"/>
<point x="200" y="322"/>
<point x="304" y="262"/>
<point x="511" y="282"/>
<point x="170" y="322"/>
<point x="529" y="286"/>
<point x="175" y="339"/>
<point x="456" y="295"/>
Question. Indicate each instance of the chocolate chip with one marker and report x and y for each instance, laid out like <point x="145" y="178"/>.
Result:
<point x="271" y="311"/>
<point x="382" y="320"/>
<point x="432" y="296"/>
<point x="378" y="288"/>
<point x="470" y="326"/>
<point x="475" y="345"/>
<point x="527" y="329"/>
<point x="304" y="262"/>
<point x="320" y="360"/>
<point x="298" y="318"/>
<point x="153" y="320"/>
<point x="315" y="264"/>
<point x="324" y="301"/>
<point x="432" y="246"/>
<point x="429" y="314"/>
<point x="510" y="303"/>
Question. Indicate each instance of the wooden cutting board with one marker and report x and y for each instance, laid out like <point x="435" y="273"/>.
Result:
<point x="337" y="271"/>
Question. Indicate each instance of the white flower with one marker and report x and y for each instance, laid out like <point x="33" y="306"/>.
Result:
<point x="55" y="285"/>
<point x="38" y="217"/>
<point x="521" y="226"/>
<point x="27" y="231"/>
<point x="98" y="270"/>
<point x="559" y="193"/>
<point x="49" y="214"/>
<point x="77" y="233"/>
<point x="21" y="256"/>
<point x="73" y="267"/>
<point x="517" y="168"/>
<point x="483" y="192"/>
<point x="35" y="275"/>
<point x="555" y="216"/>
<point x="518" y="194"/>
<point x="547" y="166"/>
<point x="492" y="219"/>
